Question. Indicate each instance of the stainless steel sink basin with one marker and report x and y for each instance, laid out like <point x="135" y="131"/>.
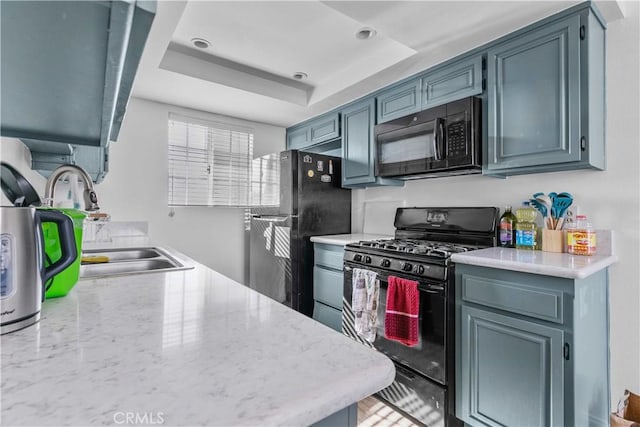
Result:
<point x="130" y="261"/>
<point x="125" y="254"/>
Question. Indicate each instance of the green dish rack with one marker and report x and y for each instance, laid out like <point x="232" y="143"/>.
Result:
<point x="60" y="284"/>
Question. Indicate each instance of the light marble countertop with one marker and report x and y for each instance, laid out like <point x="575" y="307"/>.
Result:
<point x="345" y="239"/>
<point x="190" y="347"/>
<point x="537" y="262"/>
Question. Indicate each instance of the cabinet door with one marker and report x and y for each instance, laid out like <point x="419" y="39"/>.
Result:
<point x="327" y="286"/>
<point x="455" y="81"/>
<point x="399" y="101"/>
<point x="328" y="316"/>
<point x="510" y="372"/>
<point x="533" y="98"/>
<point x="358" y="143"/>
<point x="298" y="138"/>
<point x="325" y="128"/>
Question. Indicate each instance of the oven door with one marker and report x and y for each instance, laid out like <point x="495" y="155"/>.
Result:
<point x="428" y="356"/>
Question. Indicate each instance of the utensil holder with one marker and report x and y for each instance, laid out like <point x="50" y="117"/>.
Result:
<point x="552" y="241"/>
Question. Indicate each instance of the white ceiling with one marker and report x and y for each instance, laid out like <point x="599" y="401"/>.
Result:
<point x="256" y="46"/>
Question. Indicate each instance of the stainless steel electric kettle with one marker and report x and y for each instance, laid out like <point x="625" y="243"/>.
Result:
<point x="22" y="270"/>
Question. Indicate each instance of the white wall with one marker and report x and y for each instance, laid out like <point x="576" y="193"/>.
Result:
<point x="611" y="198"/>
<point x="135" y="188"/>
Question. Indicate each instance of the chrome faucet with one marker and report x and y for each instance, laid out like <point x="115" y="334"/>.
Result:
<point x="90" y="198"/>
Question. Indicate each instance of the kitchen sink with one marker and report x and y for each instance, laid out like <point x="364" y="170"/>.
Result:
<point x="125" y="254"/>
<point x="130" y="261"/>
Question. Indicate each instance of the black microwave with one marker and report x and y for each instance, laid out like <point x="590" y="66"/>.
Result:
<point x="443" y="140"/>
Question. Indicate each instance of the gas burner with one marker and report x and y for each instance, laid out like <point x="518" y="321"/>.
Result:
<point x="417" y="247"/>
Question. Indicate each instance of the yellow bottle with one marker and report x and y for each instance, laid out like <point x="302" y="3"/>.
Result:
<point x="526" y="229"/>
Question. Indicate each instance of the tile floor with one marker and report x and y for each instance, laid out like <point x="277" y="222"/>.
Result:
<point x="373" y="412"/>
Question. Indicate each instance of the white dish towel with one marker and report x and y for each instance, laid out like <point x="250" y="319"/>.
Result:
<point x="366" y="289"/>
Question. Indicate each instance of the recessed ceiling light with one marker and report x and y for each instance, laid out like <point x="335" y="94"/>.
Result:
<point x="365" y="33"/>
<point x="200" y="43"/>
<point x="300" y="75"/>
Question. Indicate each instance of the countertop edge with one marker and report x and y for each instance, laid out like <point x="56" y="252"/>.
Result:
<point x="306" y="416"/>
<point x="345" y="239"/>
<point x="561" y="268"/>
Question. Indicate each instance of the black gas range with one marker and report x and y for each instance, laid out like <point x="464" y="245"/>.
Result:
<point x="423" y="258"/>
<point x="425" y="239"/>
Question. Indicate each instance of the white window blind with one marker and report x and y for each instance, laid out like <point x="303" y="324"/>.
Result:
<point x="265" y="181"/>
<point x="211" y="164"/>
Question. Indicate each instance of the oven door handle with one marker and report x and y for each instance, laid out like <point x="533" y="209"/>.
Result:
<point x="404" y="373"/>
<point x="431" y="290"/>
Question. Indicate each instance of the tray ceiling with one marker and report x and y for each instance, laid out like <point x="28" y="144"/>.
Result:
<point x="257" y="46"/>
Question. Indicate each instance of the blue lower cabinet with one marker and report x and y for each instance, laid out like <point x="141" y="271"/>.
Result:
<point x="513" y="370"/>
<point x="347" y="417"/>
<point x="328" y="284"/>
<point x="532" y="350"/>
<point x="327" y="316"/>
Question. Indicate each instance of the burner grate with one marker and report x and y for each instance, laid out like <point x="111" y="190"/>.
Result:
<point x="417" y="247"/>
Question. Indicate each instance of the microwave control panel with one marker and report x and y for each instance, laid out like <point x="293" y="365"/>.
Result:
<point x="457" y="139"/>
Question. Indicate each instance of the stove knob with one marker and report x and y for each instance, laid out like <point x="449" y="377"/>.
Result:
<point x="406" y="266"/>
<point x="418" y="269"/>
<point x="385" y="263"/>
<point x="357" y="258"/>
<point x="367" y="260"/>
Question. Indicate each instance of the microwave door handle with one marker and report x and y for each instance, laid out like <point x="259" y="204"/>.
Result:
<point x="438" y="136"/>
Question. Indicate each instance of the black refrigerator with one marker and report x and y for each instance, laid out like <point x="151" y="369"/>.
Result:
<point x="311" y="202"/>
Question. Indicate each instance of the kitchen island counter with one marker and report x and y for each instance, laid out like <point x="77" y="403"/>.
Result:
<point x="189" y="347"/>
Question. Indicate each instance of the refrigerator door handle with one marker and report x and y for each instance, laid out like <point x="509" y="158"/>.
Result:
<point x="272" y="218"/>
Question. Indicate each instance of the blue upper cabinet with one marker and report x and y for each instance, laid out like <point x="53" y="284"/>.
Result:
<point x="318" y="131"/>
<point x="358" y="145"/>
<point x="399" y="101"/>
<point x="546" y="98"/>
<point x="68" y="67"/>
<point x="298" y="138"/>
<point x="325" y="128"/>
<point x="67" y="70"/>
<point x="448" y="83"/>
<point x="455" y="81"/>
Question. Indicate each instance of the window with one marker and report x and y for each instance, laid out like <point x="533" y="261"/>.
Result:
<point x="211" y="164"/>
<point x="265" y="181"/>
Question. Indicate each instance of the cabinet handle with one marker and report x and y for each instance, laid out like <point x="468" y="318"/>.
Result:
<point x="583" y="32"/>
<point x="567" y="351"/>
<point x="583" y="143"/>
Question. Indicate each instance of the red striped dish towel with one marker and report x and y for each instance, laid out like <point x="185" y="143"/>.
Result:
<point x="401" y="315"/>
